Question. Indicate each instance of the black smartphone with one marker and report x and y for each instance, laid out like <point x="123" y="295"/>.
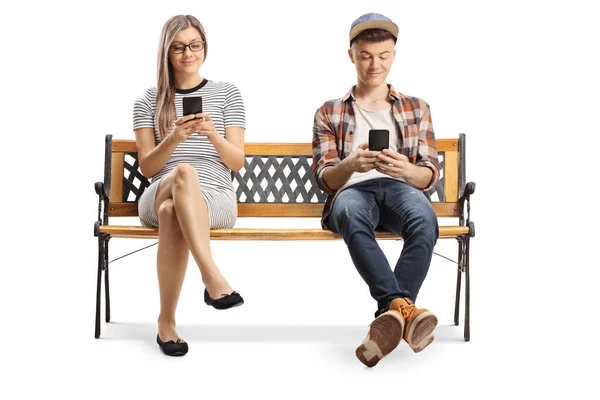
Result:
<point x="192" y="105"/>
<point x="379" y="139"/>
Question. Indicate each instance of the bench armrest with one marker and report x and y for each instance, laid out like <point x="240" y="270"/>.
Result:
<point x="102" y="206"/>
<point x="469" y="190"/>
<point x="99" y="187"/>
<point x="466" y="199"/>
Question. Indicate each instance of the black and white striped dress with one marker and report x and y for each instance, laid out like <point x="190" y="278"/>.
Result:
<point x="223" y="102"/>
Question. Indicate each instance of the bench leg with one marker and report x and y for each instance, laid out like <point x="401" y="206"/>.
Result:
<point x="99" y="283"/>
<point x="467" y="291"/>
<point x="458" y="280"/>
<point x="106" y="292"/>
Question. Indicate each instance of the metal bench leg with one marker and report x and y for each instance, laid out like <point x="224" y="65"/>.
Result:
<point x="458" y="280"/>
<point x="99" y="283"/>
<point x="106" y="292"/>
<point x="467" y="292"/>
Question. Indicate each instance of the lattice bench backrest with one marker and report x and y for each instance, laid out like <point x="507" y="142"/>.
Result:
<point x="276" y="180"/>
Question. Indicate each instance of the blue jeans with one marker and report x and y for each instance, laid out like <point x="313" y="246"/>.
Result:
<point x="393" y="206"/>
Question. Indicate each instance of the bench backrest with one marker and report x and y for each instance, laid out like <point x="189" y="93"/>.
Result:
<point x="276" y="180"/>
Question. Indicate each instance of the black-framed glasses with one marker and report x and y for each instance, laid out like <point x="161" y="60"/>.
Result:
<point x="194" y="46"/>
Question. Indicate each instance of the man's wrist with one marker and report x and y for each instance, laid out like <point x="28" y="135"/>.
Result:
<point x="419" y="176"/>
<point x="412" y="173"/>
<point x="346" y="165"/>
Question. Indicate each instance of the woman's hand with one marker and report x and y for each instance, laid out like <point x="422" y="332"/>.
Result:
<point x="206" y="127"/>
<point x="185" y="126"/>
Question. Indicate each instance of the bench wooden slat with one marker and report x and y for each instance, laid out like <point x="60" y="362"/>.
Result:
<point x="116" y="187"/>
<point x="123" y="210"/>
<point x="316" y="210"/>
<point x="451" y="176"/>
<point x="279" y="210"/>
<point x="265" y="149"/>
<point x="256" y="210"/>
<point x="265" y="234"/>
<point x="449" y="145"/>
<point x="123" y="146"/>
<point x="277" y="149"/>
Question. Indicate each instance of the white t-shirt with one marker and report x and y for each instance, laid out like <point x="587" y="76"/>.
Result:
<point x="365" y="121"/>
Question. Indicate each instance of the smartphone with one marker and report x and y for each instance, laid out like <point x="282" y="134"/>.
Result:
<point x="379" y="139"/>
<point x="192" y="105"/>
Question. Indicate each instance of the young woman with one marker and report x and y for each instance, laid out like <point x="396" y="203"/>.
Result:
<point x="189" y="158"/>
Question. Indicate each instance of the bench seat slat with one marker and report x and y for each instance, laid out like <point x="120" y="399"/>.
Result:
<point x="265" y="234"/>
<point x="278" y="210"/>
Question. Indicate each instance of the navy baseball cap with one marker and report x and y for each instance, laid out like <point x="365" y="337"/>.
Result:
<point x="373" y="21"/>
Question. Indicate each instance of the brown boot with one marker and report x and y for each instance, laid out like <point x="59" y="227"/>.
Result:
<point x="419" y="326"/>
<point x="384" y="335"/>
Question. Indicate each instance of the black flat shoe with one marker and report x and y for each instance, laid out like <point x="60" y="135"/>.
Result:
<point x="172" y="348"/>
<point x="226" y="301"/>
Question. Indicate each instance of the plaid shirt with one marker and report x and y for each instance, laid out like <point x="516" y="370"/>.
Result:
<point x="333" y="134"/>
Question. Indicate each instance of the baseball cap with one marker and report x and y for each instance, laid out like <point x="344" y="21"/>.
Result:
<point x="373" y="21"/>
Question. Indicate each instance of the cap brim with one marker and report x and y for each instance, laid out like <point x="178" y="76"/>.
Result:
<point x="377" y="24"/>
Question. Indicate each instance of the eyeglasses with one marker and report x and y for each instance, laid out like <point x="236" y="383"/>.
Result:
<point x="180" y="48"/>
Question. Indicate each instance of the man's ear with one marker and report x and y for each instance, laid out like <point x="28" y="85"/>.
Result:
<point x="351" y="55"/>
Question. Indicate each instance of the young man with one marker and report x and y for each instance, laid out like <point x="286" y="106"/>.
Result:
<point x="369" y="190"/>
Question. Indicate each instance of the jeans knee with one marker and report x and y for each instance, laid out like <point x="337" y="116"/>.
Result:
<point x="350" y="220"/>
<point x="425" y="226"/>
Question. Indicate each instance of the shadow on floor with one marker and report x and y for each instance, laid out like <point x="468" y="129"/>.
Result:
<point x="333" y="334"/>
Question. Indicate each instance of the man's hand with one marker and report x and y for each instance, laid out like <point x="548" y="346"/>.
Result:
<point x="362" y="160"/>
<point x="394" y="164"/>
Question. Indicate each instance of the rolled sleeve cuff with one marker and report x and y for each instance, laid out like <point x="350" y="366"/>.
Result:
<point x="435" y="176"/>
<point x="320" y="181"/>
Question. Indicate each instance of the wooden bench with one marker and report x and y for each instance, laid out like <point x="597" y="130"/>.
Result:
<point x="276" y="181"/>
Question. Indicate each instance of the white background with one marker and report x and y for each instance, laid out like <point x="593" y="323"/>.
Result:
<point x="519" y="78"/>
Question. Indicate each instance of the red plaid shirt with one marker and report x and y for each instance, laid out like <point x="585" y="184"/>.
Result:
<point x="333" y="134"/>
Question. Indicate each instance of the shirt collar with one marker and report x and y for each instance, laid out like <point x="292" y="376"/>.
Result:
<point x="393" y="94"/>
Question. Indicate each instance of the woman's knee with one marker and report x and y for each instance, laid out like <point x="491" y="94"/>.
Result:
<point x="185" y="175"/>
<point x="166" y="211"/>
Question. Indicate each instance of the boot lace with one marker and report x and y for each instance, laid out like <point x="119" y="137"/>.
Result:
<point x="407" y="310"/>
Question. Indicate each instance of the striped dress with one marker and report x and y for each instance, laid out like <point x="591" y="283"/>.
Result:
<point x="223" y="102"/>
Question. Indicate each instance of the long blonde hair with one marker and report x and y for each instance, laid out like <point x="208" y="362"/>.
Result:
<point x="165" y="87"/>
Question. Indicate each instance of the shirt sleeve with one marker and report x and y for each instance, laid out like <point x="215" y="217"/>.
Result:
<point x="427" y="155"/>
<point x="324" y="147"/>
<point x="234" y="113"/>
<point x="143" y="115"/>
